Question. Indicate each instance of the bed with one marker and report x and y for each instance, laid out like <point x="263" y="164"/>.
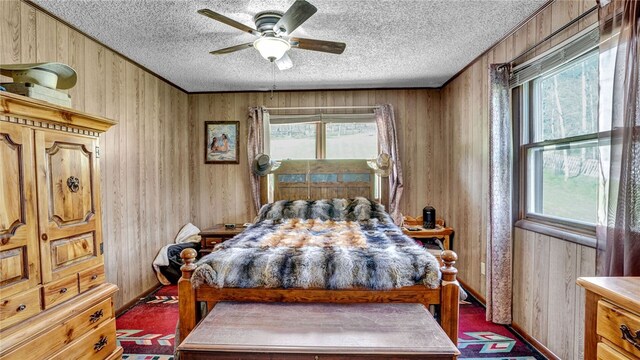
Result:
<point x="335" y="251"/>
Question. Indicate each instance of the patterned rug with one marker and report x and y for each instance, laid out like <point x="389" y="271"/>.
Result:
<point x="146" y="332"/>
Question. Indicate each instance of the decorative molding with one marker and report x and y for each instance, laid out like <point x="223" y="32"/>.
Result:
<point x="53" y="217"/>
<point x="6" y="234"/>
<point x="24" y="110"/>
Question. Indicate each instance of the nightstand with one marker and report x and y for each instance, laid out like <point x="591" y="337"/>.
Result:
<point x="445" y="234"/>
<point x="425" y="236"/>
<point x="216" y="235"/>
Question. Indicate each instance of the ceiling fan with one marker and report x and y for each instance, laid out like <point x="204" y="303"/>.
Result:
<point x="273" y="30"/>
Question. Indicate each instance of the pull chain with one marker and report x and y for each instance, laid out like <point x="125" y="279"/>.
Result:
<point x="273" y="68"/>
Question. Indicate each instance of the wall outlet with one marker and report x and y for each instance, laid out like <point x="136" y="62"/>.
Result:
<point x="483" y="267"/>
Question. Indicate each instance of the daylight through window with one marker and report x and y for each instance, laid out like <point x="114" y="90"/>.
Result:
<point x="559" y="142"/>
<point x="323" y="137"/>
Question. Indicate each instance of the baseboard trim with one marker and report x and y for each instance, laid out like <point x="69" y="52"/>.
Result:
<point x="473" y="292"/>
<point x="535" y="343"/>
<point x="515" y="327"/>
<point x="135" y="300"/>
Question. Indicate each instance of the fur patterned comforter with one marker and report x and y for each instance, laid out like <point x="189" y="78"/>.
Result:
<point x="331" y="244"/>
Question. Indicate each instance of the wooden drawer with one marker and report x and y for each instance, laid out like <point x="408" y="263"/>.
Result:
<point x="19" y="307"/>
<point x="610" y="321"/>
<point x="59" y="291"/>
<point x="116" y="354"/>
<point x="607" y="353"/>
<point x="91" y="277"/>
<point x="65" y="333"/>
<point x="98" y="344"/>
<point x="210" y="242"/>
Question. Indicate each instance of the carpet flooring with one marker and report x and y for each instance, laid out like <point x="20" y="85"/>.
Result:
<point x="146" y="332"/>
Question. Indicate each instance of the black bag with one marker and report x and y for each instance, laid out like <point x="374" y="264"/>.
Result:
<point x="172" y="271"/>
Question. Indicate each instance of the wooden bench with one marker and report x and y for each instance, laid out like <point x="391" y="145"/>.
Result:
<point x="317" y="331"/>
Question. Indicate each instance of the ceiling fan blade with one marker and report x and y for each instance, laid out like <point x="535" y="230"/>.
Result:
<point x="284" y="63"/>
<point x="298" y="13"/>
<point x="225" y="20"/>
<point x="318" y="45"/>
<point x="232" y="49"/>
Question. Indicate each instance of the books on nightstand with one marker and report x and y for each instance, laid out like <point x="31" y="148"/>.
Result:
<point x="39" y="92"/>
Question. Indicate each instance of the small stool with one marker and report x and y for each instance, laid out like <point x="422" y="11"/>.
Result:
<point x="317" y="331"/>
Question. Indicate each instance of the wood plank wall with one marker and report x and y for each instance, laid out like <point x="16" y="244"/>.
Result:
<point x="144" y="159"/>
<point x="545" y="269"/>
<point x="220" y="193"/>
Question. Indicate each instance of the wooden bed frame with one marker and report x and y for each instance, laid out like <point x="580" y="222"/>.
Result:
<point x="305" y="179"/>
<point x="446" y="296"/>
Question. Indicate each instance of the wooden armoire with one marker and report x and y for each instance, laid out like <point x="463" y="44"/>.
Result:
<point x="54" y="302"/>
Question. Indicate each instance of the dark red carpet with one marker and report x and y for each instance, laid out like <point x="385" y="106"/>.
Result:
<point x="146" y="332"/>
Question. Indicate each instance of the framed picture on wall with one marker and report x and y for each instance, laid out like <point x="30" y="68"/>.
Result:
<point x="221" y="141"/>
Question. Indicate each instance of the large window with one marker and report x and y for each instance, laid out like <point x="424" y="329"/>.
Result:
<point x="558" y="109"/>
<point x="352" y="136"/>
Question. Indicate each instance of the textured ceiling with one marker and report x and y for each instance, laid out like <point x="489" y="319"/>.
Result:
<point x="402" y="43"/>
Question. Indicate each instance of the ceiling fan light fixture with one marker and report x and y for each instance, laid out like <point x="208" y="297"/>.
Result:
<point x="272" y="48"/>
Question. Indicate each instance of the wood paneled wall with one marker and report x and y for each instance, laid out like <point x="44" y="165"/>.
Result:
<point x="220" y="193"/>
<point x="144" y="159"/>
<point x="547" y="302"/>
<point x="544" y="290"/>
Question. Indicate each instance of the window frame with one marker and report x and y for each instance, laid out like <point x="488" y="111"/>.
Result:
<point x="321" y="136"/>
<point x="525" y="101"/>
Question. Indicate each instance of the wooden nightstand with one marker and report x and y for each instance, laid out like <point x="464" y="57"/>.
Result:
<point x="422" y="235"/>
<point x="445" y="234"/>
<point x="216" y="235"/>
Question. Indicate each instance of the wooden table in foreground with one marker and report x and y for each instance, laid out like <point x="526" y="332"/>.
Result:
<point x="612" y="317"/>
<point x="317" y="331"/>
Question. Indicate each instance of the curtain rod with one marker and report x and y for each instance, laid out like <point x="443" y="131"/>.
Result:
<point x="575" y="20"/>
<point x="322" y="107"/>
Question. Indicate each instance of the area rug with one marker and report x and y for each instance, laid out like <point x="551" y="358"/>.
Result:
<point x="480" y="339"/>
<point x="146" y="331"/>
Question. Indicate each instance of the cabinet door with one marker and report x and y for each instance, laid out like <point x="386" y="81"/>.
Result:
<point x="19" y="265"/>
<point x="68" y="204"/>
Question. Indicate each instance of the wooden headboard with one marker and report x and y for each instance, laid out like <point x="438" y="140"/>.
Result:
<point x="324" y="179"/>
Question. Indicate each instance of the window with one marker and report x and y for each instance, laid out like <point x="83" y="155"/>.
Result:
<point x="558" y="140"/>
<point x="323" y="136"/>
<point x="351" y="141"/>
<point x="293" y="141"/>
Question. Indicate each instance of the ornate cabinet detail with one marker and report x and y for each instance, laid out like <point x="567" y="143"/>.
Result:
<point x="19" y="265"/>
<point x="68" y="170"/>
<point x="54" y="302"/>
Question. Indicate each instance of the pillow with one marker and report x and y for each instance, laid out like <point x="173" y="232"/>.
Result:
<point x="358" y="209"/>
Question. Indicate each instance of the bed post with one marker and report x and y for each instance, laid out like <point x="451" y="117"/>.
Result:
<point x="187" y="294"/>
<point x="450" y="296"/>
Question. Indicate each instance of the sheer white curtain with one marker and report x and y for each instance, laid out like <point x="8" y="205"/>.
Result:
<point x="257" y="143"/>
<point x="618" y="230"/>
<point x="388" y="142"/>
<point x="500" y="238"/>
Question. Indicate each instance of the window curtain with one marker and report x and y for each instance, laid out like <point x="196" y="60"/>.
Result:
<point x="257" y="143"/>
<point x="499" y="242"/>
<point x="388" y="142"/>
<point x="618" y="230"/>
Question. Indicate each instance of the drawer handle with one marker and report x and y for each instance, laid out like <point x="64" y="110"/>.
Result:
<point x="100" y="344"/>
<point x="628" y="335"/>
<point x="93" y="277"/>
<point x="96" y="316"/>
<point x="21" y="307"/>
<point x="63" y="290"/>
